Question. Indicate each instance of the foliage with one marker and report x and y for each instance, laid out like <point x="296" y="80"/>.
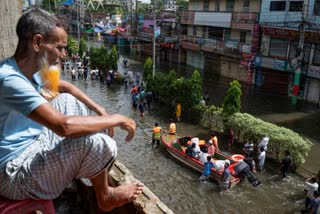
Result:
<point x="144" y="8"/>
<point x="281" y="138"/>
<point x="147" y="69"/>
<point x="182" y="5"/>
<point x="82" y="47"/>
<point x="171" y="90"/>
<point x="99" y="58"/>
<point x="113" y="58"/>
<point x="251" y="129"/>
<point x="72" y="46"/>
<point x="232" y="101"/>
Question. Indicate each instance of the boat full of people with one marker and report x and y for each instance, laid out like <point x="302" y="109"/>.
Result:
<point x="177" y="147"/>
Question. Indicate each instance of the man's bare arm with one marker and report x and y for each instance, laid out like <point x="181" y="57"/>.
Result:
<point x="66" y="87"/>
<point x="73" y="126"/>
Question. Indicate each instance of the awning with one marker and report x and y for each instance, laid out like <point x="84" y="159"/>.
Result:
<point x="98" y="30"/>
<point x="89" y="30"/>
<point x="68" y="2"/>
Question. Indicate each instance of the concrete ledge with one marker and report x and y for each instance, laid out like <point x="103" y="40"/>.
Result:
<point x="146" y="203"/>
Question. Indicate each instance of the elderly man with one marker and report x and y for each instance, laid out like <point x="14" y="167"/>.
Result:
<point x="45" y="145"/>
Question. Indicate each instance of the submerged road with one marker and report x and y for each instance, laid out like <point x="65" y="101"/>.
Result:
<point x="177" y="185"/>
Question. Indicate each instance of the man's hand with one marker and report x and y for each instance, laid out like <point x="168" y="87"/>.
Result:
<point x="130" y="126"/>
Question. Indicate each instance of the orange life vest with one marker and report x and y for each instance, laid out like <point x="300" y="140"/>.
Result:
<point x="156" y="132"/>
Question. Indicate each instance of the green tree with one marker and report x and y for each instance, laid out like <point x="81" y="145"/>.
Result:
<point x="113" y="58"/>
<point x="82" y="47"/>
<point x="99" y="58"/>
<point x="182" y="5"/>
<point x="144" y="8"/>
<point x="147" y="69"/>
<point x="72" y="46"/>
<point x="195" y="88"/>
<point x="232" y="101"/>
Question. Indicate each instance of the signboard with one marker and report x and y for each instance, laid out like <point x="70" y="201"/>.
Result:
<point x="215" y="19"/>
<point x="189" y="45"/>
<point x="245" y="63"/>
<point x="314" y="71"/>
<point x="255" y="39"/>
<point x="313" y="37"/>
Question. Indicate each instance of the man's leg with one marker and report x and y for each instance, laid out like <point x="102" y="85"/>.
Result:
<point x="109" y="197"/>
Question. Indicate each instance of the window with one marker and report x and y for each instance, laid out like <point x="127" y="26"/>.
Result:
<point x="246" y="5"/>
<point x="215" y="33"/>
<point x="206" y="5"/>
<point x="217" y="5"/>
<point x="243" y="37"/>
<point x="227" y="35"/>
<point x="306" y="50"/>
<point x="278" y="47"/>
<point x="196" y="5"/>
<point x="296" y="6"/>
<point x="194" y="31"/>
<point x="229" y="6"/>
<point x="316" y="56"/>
<point x="278" y="6"/>
<point x="316" y="9"/>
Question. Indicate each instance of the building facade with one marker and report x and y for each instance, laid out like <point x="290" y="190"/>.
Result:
<point x="288" y="27"/>
<point x="221" y="36"/>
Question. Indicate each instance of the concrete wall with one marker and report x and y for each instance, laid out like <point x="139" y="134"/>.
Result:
<point x="230" y="68"/>
<point x="9" y="15"/>
<point x="314" y="93"/>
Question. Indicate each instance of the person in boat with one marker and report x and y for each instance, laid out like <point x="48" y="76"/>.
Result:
<point x="156" y="134"/>
<point x="191" y="151"/>
<point x="203" y="155"/>
<point x="208" y="165"/>
<point x="225" y="183"/>
<point x="220" y="163"/>
<point x="210" y="148"/>
<point x="242" y="169"/>
<point x="286" y="164"/>
<point x="196" y="141"/>
<point x="57" y="141"/>
<point x="214" y="141"/>
<point x="172" y="127"/>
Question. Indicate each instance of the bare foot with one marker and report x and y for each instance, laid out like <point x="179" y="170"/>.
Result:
<point x="119" y="196"/>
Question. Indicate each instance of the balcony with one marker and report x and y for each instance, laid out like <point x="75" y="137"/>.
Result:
<point x="244" y="21"/>
<point x="231" y="48"/>
<point x="238" y="20"/>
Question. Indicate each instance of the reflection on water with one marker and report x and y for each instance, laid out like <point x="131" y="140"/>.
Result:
<point x="177" y="185"/>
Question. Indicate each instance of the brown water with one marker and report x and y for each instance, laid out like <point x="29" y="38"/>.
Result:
<point x="177" y="185"/>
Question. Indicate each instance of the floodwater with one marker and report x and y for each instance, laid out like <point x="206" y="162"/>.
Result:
<point x="177" y="185"/>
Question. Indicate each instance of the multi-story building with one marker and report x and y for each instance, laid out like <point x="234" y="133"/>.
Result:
<point x="285" y="24"/>
<point x="170" y="5"/>
<point x="221" y="36"/>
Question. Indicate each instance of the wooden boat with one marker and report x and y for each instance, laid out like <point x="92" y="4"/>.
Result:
<point x="177" y="146"/>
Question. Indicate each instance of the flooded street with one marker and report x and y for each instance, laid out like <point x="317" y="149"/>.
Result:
<point x="174" y="183"/>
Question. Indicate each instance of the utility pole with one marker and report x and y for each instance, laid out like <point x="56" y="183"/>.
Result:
<point x="298" y="61"/>
<point x="78" y="21"/>
<point x="154" y="40"/>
